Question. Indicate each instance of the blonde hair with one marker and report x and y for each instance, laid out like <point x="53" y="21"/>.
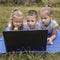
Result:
<point x="14" y="13"/>
<point x="48" y="10"/>
<point x="33" y="13"/>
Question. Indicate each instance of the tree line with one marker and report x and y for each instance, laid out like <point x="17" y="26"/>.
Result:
<point x="30" y="2"/>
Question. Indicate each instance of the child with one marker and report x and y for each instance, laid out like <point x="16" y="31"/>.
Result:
<point x="32" y="20"/>
<point x="47" y="23"/>
<point x="15" y="21"/>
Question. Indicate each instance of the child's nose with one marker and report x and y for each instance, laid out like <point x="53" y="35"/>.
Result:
<point x="43" y="20"/>
<point x="18" y="23"/>
<point x="30" y="22"/>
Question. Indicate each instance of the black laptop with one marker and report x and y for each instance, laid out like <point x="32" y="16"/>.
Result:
<point x="34" y="40"/>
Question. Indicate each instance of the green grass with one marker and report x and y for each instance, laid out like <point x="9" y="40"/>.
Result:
<point x="6" y="11"/>
<point x="30" y="56"/>
<point x="4" y="15"/>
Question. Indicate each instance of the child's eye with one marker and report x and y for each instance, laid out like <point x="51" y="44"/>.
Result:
<point x="15" y="21"/>
<point x="20" y="21"/>
<point x="43" y="18"/>
<point x="32" y="20"/>
<point x="28" y="21"/>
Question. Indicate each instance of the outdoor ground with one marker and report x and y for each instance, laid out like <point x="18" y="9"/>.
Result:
<point x="6" y="11"/>
<point x="4" y="15"/>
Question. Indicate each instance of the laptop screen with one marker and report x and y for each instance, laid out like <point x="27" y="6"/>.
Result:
<point x="25" y="40"/>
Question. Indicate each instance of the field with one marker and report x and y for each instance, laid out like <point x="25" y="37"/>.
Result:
<point x="4" y="15"/>
<point x="30" y="56"/>
<point x="6" y="11"/>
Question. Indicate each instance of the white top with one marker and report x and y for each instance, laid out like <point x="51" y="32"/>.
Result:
<point x="26" y="27"/>
<point x="52" y="25"/>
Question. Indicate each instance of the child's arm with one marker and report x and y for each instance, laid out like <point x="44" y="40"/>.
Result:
<point x="53" y="34"/>
<point x="50" y="40"/>
<point x="7" y="29"/>
<point x="15" y="28"/>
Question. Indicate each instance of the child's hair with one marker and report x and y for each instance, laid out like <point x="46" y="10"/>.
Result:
<point x="32" y="13"/>
<point x="48" y="10"/>
<point x="16" y="12"/>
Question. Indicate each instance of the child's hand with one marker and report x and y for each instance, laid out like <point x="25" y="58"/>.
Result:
<point x="49" y="41"/>
<point x="16" y="28"/>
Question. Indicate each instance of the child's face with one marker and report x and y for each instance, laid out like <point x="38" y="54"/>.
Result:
<point x="17" y="21"/>
<point x="45" y="18"/>
<point x="31" y="21"/>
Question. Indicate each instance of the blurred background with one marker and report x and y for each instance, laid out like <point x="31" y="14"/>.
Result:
<point x="55" y="3"/>
<point x="6" y="6"/>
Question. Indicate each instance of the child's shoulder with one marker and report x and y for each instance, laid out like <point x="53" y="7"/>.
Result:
<point x="7" y="29"/>
<point x="40" y="23"/>
<point x="54" y="22"/>
<point x="25" y="26"/>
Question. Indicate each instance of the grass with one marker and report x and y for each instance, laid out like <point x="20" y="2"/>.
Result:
<point x="30" y="56"/>
<point x="4" y="15"/>
<point x="6" y="11"/>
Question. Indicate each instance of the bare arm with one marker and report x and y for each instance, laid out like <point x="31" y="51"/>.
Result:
<point x="50" y="40"/>
<point x="53" y="34"/>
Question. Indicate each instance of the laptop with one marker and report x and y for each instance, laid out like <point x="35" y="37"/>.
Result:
<point x="34" y="40"/>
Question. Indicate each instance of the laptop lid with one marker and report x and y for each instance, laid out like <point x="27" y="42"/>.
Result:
<point x="25" y="40"/>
